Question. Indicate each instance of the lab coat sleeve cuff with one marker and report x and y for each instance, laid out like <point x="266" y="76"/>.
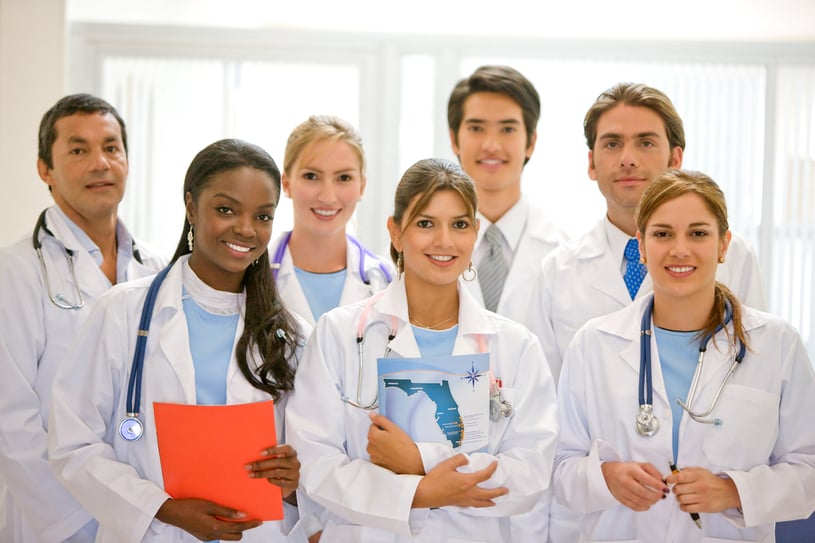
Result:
<point x="601" y="452"/>
<point x="739" y="517"/>
<point x="433" y="454"/>
<point x="418" y="520"/>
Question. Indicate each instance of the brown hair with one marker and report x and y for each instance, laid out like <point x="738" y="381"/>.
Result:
<point x="424" y="179"/>
<point x="671" y="185"/>
<point x="635" y="94"/>
<point x="501" y="80"/>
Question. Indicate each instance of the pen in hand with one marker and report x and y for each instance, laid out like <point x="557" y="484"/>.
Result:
<point x="694" y="516"/>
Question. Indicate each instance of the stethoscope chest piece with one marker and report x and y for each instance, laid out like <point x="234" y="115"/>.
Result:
<point x="647" y="423"/>
<point x="131" y="429"/>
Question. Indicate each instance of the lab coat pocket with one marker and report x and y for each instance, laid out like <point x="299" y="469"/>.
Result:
<point x="748" y="429"/>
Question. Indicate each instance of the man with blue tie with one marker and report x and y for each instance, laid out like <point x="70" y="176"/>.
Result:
<point x="634" y="134"/>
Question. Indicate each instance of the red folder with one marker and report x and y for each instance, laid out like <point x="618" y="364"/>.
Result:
<point x="204" y="449"/>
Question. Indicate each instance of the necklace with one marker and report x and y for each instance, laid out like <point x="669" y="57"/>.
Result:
<point x="417" y="322"/>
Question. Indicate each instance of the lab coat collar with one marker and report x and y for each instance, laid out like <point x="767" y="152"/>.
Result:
<point x="84" y="264"/>
<point x="174" y="340"/>
<point x="473" y="320"/>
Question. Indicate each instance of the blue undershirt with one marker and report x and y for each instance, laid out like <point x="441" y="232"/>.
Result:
<point x="322" y="290"/>
<point x="435" y="342"/>
<point x="678" y="352"/>
<point x="211" y="340"/>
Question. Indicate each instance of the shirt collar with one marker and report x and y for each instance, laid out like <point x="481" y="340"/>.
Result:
<point x="124" y="241"/>
<point x="616" y="239"/>
<point x="512" y="223"/>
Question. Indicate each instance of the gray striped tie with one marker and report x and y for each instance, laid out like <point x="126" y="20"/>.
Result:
<point x="492" y="270"/>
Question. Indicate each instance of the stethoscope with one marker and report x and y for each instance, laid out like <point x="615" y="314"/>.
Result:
<point x="277" y="258"/>
<point x="647" y="422"/>
<point x="58" y="299"/>
<point x="131" y="428"/>
<point x="499" y="406"/>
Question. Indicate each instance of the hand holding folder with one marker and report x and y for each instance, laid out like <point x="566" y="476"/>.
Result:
<point x="205" y="449"/>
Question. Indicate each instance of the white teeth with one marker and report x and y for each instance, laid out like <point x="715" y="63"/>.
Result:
<point x="680" y="269"/>
<point x="441" y="258"/>
<point x="238" y="248"/>
<point x="326" y="212"/>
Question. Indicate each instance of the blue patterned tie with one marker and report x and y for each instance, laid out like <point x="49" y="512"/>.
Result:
<point x="634" y="270"/>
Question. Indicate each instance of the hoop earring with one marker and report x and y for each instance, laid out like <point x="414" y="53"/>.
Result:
<point x="190" y="237"/>
<point x="470" y="273"/>
<point x="399" y="265"/>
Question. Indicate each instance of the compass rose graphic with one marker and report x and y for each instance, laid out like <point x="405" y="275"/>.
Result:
<point x="473" y="375"/>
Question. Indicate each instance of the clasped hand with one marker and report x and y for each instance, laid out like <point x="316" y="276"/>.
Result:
<point x="391" y="448"/>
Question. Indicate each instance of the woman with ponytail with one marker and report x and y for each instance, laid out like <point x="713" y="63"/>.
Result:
<point x="684" y="416"/>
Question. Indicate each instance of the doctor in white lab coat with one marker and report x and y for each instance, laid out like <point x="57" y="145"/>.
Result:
<point x="537" y="237"/>
<point x="317" y="264"/>
<point x="220" y="271"/>
<point x="377" y="274"/>
<point x="580" y="281"/>
<point x="82" y="143"/>
<point x="756" y="467"/>
<point x="363" y="486"/>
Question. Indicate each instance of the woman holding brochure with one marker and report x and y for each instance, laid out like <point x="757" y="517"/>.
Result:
<point x="218" y="335"/>
<point x="683" y="416"/>
<point x="371" y="479"/>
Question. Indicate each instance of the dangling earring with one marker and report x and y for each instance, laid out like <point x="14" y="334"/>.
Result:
<point x="470" y="273"/>
<point x="255" y="263"/>
<point x="399" y="265"/>
<point x="190" y="237"/>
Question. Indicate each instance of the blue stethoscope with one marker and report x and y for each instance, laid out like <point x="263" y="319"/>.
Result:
<point x="58" y="299"/>
<point x="131" y="428"/>
<point x="647" y="423"/>
<point x="277" y="258"/>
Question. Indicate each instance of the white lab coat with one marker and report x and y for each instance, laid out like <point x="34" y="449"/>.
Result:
<point x="766" y="442"/>
<point x="539" y="238"/>
<point x="365" y="502"/>
<point x="582" y="280"/>
<point x="34" y="337"/>
<point x="121" y="482"/>
<point x="354" y="290"/>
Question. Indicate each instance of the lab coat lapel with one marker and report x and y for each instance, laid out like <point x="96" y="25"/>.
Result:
<point x="473" y="321"/>
<point x="599" y="265"/>
<point x="174" y="339"/>
<point x="92" y="282"/>
<point x="393" y="303"/>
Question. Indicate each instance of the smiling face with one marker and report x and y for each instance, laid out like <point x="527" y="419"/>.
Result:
<point x="631" y="150"/>
<point x="89" y="170"/>
<point x="325" y="184"/>
<point x="437" y="244"/>
<point x="491" y="142"/>
<point x="682" y="247"/>
<point x="232" y="220"/>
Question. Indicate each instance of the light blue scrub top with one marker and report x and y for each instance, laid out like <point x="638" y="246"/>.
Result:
<point x="323" y="291"/>
<point x="678" y="352"/>
<point x="435" y="342"/>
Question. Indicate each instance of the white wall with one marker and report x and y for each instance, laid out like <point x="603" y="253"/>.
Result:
<point x="32" y="78"/>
